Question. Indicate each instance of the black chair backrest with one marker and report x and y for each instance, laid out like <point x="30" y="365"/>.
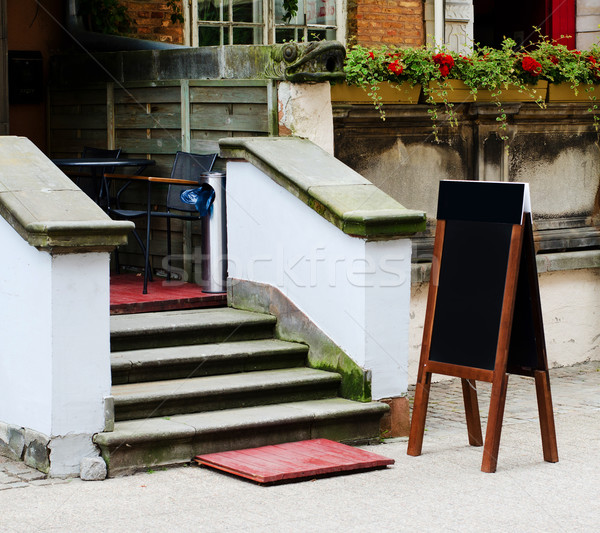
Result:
<point x="91" y="152"/>
<point x="187" y="166"/>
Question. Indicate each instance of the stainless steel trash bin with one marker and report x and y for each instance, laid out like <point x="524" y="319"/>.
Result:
<point x="213" y="264"/>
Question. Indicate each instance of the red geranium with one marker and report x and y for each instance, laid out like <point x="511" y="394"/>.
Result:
<point x="554" y="59"/>
<point x="371" y="55"/>
<point x="531" y="65"/>
<point x="445" y="62"/>
<point x="396" y="67"/>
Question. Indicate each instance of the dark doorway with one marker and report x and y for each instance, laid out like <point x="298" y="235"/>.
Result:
<point x="497" y="19"/>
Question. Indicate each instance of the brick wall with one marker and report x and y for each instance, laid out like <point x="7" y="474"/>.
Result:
<point x="152" y="21"/>
<point x="391" y="22"/>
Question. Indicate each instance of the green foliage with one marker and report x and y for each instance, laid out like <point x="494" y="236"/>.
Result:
<point x="176" y="14"/>
<point x="483" y="68"/>
<point x="291" y="9"/>
<point x="106" y="16"/>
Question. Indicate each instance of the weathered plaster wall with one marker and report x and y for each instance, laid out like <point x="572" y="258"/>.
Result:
<point x="54" y="364"/>
<point x="305" y="111"/>
<point x="571" y="314"/>
<point x="356" y="291"/>
<point x="554" y="149"/>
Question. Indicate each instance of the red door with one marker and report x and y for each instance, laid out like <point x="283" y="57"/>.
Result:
<point x="561" y="21"/>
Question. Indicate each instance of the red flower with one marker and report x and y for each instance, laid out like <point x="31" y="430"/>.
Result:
<point x="396" y="67"/>
<point x="371" y="55"/>
<point x="592" y="60"/>
<point x="576" y="52"/>
<point x="554" y="59"/>
<point x="445" y="62"/>
<point x="531" y="65"/>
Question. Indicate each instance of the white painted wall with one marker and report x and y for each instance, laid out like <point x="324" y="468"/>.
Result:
<point x="55" y="356"/>
<point x="25" y="333"/>
<point x="356" y="291"/>
<point x="571" y="314"/>
<point x="305" y="111"/>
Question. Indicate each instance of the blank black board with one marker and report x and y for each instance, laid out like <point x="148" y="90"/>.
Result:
<point x="478" y="227"/>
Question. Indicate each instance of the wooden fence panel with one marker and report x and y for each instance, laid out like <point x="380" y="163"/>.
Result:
<point x="154" y="120"/>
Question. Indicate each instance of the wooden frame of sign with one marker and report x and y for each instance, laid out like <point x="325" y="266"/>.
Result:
<point x="485" y="322"/>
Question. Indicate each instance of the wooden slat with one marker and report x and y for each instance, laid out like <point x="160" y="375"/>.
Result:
<point x="254" y="95"/>
<point x="83" y="121"/>
<point x="458" y="371"/>
<point x="229" y="83"/>
<point x="185" y="115"/>
<point x="227" y="122"/>
<point x="469" y="388"/>
<point x="293" y="460"/>
<point x="500" y="380"/>
<point x="143" y="121"/>
<point x="110" y="116"/>
<point x="546" y="412"/>
<point x="148" y="95"/>
<point x="148" y="146"/>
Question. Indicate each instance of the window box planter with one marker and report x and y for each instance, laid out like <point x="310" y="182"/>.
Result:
<point x="391" y="93"/>
<point x="459" y="92"/>
<point x="562" y="92"/>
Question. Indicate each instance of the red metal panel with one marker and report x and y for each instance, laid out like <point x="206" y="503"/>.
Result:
<point x="293" y="460"/>
<point x="562" y="17"/>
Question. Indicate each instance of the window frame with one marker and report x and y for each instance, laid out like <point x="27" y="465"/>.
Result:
<point x="269" y="26"/>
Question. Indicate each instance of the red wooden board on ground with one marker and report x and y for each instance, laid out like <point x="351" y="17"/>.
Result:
<point x="126" y="295"/>
<point x="293" y="460"/>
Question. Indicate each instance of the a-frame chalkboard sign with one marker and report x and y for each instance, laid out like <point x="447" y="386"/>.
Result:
<point x="484" y="318"/>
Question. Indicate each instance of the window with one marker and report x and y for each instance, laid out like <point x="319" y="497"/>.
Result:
<point x="219" y="22"/>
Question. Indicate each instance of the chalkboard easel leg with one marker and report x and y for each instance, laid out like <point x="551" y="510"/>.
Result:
<point x="417" y="425"/>
<point x="494" y="424"/>
<point x="544" y="399"/>
<point x="469" y="388"/>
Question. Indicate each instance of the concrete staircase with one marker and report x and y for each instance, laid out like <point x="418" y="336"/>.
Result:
<point x="201" y="381"/>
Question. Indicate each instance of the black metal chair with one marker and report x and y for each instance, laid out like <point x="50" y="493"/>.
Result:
<point x="187" y="166"/>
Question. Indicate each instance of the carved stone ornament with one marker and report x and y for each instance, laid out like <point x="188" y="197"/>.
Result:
<point x="307" y="62"/>
<point x="459" y="12"/>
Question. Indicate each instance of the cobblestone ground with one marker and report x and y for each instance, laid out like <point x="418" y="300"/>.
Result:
<point x="575" y="389"/>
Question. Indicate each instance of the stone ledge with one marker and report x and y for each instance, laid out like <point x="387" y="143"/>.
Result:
<point x="335" y="191"/>
<point x="554" y="262"/>
<point x="47" y="209"/>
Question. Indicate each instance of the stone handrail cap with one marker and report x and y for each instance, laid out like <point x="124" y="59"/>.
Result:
<point x="331" y="188"/>
<point x="46" y="208"/>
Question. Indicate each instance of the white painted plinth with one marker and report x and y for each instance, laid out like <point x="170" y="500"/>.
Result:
<point x="55" y="337"/>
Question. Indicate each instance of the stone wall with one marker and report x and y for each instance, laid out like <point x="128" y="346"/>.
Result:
<point x="587" y="22"/>
<point x="391" y="22"/>
<point x="152" y="21"/>
<point x="554" y="149"/>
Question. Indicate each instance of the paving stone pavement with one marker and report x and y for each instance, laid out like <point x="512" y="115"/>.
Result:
<point x="575" y="389"/>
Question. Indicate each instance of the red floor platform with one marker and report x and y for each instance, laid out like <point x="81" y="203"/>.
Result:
<point x="126" y="295"/>
<point x="293" y="460"/>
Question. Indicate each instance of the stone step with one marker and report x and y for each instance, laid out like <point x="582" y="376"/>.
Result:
<point x="184" y="327"/>
<point x="209" y="393"/>
<point x="175" y="362"/>
<point x="151" y="442"/>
